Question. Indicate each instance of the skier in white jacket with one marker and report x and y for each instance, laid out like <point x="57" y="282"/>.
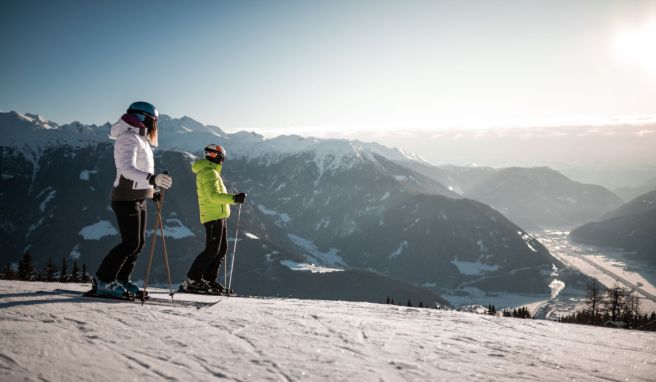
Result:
<point x="135" y="133"/>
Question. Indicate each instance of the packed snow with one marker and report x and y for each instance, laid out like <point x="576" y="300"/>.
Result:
<point x="98" y="230"/>
<point x="54" y="335"/>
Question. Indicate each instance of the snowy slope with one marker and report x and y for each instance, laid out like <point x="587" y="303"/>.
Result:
<point x="57" y="337"/>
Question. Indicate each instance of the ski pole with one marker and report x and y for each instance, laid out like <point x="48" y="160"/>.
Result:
<point x="158" y="223"/>
<point x="225" y="263"/>
<point x="166" y="256"/>
<point x="234" y="248"/>
<point x="152" y="250"/>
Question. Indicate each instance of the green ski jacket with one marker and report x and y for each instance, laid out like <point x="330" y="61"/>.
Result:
<point x="213" y="198"/>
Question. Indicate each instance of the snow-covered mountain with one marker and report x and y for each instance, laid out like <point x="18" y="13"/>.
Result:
<point x="58" y="336"/>
<point x="314" y="205"/>
<point x="632" y="227"/>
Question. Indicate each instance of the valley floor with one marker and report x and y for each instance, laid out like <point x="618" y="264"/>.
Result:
<point x="610" y="267"/>
<point x="48" y="335"/>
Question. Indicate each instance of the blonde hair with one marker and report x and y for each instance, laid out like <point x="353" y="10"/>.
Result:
<point x="152" y="134"/>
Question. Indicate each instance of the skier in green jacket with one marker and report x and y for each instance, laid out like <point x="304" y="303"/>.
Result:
<point x="214" y="204"/>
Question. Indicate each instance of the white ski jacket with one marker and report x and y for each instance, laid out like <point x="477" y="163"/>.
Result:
<point x="134" y="161"/>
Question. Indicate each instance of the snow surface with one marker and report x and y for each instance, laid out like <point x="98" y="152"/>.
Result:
<point x="60" y="337"/>
<point x="403" y="245"/>
<point x="98" y="230"/>
<point x="174" y="229"/>
<point x="283" y="218"/>
<point x="251" y="236"/>
<point x="44" y="203"/>
<point x="75" y="252"/>
<point x="294" y="266"/>
<point x="471" y="268"/>
<point x="314" y="255"/>
<point x="85" y="174"/>
<point x="528" y="239"/>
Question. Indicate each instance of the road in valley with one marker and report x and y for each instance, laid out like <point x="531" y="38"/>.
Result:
<point x="609" y="266"/>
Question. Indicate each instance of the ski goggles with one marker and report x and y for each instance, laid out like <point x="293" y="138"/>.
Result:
<point x="214" y="154"/>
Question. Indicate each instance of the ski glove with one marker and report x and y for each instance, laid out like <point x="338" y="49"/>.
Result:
<point x="161" y="180"/>
<point x="239" y="198"/>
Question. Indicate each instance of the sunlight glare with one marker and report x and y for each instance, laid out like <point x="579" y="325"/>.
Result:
<point x="637" y="46"/>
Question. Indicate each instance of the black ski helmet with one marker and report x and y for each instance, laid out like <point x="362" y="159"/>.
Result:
<point x="215" y="153"/>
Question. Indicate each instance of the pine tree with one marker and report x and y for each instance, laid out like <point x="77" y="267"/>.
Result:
<point x="594" y="296"/>
<point x="9" y="272"/>
<point x="25" y="267"/>
<point x="615" y="301"/>
<point x="63" y="275"/>
<point x="85" y="275"/>
<point x="388" y="300"/>
<point x="409" y="302"/>
<point x="75" y="272"/>
<point x="631" y="310"/>
<point x="421" y="304"/>
<point x="492" y="311"/>
<point x="50" y="270"/>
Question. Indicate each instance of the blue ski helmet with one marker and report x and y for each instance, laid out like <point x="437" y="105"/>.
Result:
<point x="143" y="109"/>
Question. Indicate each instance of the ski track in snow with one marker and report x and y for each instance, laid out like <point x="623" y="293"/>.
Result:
<point x="60" y="337"/>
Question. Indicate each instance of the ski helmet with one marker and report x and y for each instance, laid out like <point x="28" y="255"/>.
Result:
<point x="215" y="153"/>
<point x="142" y="110"/>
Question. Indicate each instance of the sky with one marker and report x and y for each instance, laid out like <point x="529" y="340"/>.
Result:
<point x="324" y="67"/>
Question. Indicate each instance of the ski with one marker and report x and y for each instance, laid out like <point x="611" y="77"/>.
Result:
<point x="125" y="297"/>
<point x="150" y="299"/>
<point x="208" y="293"/>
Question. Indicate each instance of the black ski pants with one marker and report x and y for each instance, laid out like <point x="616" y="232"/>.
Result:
<point x="131" y="220"/>
<point x="209" y="261"/>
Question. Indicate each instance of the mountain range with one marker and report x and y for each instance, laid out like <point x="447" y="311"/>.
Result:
<point x="324" y="218"/>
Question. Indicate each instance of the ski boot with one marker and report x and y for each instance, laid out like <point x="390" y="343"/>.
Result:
<point x="193" y="286"/>
<point x="133" y="289"/>
<point x="112" y="289"/>
<point x="216" y="288"/>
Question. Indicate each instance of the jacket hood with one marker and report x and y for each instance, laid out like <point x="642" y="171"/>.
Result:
<point x="127" y="123"/>
<point x="203" y="164"/>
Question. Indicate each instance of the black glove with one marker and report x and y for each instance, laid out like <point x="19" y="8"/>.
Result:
<point x="239" y="198"/>
<point x="157" y="197"/>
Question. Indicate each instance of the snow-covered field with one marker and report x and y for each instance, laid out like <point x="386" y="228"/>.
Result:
<point x="54" y="336"/>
